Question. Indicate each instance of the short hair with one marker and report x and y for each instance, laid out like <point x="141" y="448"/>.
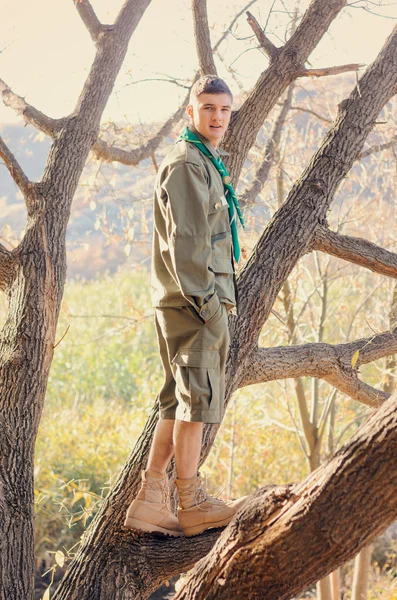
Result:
<point x="209" y="84"/>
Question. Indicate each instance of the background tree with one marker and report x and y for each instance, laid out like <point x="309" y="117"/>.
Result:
<point x="113" y="563"/>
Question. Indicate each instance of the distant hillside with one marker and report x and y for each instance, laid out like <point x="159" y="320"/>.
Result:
<point x="111" y="219"/>
<point x="98" y="202"/>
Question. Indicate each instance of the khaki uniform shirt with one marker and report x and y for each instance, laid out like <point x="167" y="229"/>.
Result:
<point x="192" y="260"/>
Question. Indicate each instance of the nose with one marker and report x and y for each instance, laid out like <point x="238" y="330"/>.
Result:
<point x="217" y="115"/>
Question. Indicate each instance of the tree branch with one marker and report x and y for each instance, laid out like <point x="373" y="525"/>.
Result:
<point x="89" y="18"/>
<point x="262" y="173"/>
<point x="102" y="150"/>
<point x="378" y="148"/>
<point x="15" y="169"/>
<point x="326" y="71"/>
<point x="28" y="112"/>
<point x="356" y="250"/>
<point x="331" y="362"/>
<point x="238" y="15"/>
<point x="322" y="521"/>
<point x="264" y="42"/>
<point x="202" y="37"/>
<point x="311" y="112"/>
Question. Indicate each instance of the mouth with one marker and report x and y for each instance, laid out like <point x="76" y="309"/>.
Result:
<point x="216" y="127"/>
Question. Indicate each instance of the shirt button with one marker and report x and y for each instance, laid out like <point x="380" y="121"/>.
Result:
<point x="218" y="205"/>
<point x="203" y="313"/>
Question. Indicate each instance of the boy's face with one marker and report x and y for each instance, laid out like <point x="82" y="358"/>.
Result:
<point x="210" y="114"/>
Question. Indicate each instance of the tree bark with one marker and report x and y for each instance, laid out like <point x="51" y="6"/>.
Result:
<point x="276" y="546"/>
<point x="202" y="37"/>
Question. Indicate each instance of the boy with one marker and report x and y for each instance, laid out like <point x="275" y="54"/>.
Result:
<point x="193" y="288"/>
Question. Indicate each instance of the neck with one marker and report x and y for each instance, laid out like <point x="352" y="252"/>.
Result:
<point x="196" y="131"/>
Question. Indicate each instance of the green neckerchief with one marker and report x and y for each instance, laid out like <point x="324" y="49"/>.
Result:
<point x="230" y="194"/>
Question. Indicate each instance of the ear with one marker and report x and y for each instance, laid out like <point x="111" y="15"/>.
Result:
<point x="189" y="110"/>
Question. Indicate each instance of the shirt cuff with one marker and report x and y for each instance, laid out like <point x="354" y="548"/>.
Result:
<point x="208" y="310"/>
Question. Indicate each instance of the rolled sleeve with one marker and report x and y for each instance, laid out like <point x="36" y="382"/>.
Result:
<point x="189" y="236"/>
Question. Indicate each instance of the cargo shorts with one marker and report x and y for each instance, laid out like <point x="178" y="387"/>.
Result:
<point x="193" y="354"/>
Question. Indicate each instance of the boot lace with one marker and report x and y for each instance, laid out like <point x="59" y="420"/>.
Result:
<point x="200" y="493"/>
<point x="161" y="486"/>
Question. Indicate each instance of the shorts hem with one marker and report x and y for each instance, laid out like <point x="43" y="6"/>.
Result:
<point x="199" y="416"/>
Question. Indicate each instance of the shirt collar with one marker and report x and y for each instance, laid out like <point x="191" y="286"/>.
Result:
<point x="216" y="152"/>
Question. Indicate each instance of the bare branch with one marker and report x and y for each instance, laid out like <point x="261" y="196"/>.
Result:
<point x="326" y="71"/>
<point x="311" y="112"/>
<point x="378" y="148"/>
<point x="238" y="15"/>
<point x="261" y="175"/>
<point x="15" y="169"/>
<point x="264" y="42"/>
<point x="28" y="112"/>
<point x="202" y="36"/>
<point x="104" y="151"/>
<point x="89" y="18"/>
<point x="356" y="250"/>
<point x="333" y="363"/>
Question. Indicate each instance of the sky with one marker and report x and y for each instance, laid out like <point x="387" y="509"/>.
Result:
<point x="46" y="51"/>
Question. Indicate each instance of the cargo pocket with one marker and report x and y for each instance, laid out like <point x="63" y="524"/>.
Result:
<point x="197" y="379"/>
<point x="221" y="264"/>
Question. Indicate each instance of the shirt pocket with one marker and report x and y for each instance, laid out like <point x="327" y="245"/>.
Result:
<point x="218" y="213"/>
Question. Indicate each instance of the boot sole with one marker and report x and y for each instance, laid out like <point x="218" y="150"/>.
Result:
<point x="131" y="523"/>
<point x="190" y="531"/>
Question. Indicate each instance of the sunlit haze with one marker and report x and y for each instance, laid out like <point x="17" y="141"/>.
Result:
<point x="46" y="51"/>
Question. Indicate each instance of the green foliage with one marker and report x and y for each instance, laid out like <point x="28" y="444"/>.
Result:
<point x="103" y="381"/>
<point x="109" y="350"/>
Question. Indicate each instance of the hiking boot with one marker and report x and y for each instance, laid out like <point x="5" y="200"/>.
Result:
<point x="150" y="511"/>
<point x="198" y="511"/>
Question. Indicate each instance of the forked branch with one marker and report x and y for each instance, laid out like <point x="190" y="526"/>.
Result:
<point x="267" y="46"/>
<point x="104" y="151"/>
<point x="337" y="364"/>
<point x="89" y="18"/>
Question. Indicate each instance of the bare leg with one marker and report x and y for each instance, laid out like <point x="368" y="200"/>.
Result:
<point x="162" y="448"/>
<point x="187" y="442"/>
